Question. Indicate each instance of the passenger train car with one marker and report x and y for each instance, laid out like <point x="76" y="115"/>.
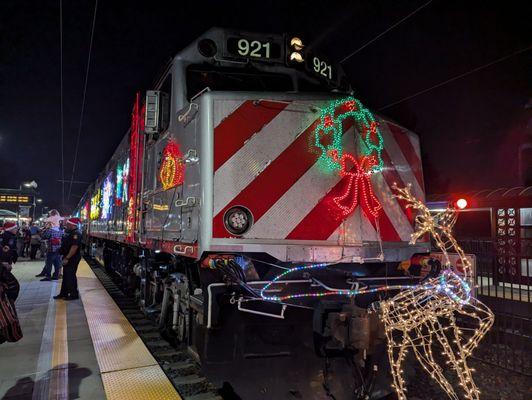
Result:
<point x="249" y="157"/>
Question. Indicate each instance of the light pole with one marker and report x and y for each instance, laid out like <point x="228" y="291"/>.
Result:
<point x="39" y="201"/>
<point x="33" y="186"/>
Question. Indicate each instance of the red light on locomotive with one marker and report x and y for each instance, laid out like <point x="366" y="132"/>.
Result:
<point x="461" y="204"/>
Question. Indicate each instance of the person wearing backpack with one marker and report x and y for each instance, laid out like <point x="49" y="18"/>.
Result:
<point x="53" y="235"/>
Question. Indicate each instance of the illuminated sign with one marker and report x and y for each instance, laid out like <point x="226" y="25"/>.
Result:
<point x="15" y="199"/>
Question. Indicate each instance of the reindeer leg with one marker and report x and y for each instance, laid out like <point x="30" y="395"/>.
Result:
<point x="485" y="319"/>
<point x="458" y="360"/>
<point x="396" y="365"/>
<point x="423" y="353"/>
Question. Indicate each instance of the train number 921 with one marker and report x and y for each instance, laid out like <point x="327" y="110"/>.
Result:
<point x="253" y="48"/>
<point x="322" y="68"/>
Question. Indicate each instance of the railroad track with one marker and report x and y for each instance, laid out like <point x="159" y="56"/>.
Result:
<point x="179" y="366"/>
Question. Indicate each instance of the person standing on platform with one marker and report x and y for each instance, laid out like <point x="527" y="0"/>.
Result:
<point x="54" y="217"/>
<point x="71" y="252"/>
<point x="35" y="240"/>
<point x="9" y="289"/>
<point x="9" y="238"/>
<point x="53" y="235"/>
<point x="21" y="240"/>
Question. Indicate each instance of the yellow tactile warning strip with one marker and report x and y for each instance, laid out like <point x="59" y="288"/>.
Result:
<point x="137" y="383"/>
<point x="59" y="381"/>
<point x="128" y="369"/>
<point x="60" y="346"/>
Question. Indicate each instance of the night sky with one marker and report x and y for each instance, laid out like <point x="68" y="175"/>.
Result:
<point x="470" y="129"/>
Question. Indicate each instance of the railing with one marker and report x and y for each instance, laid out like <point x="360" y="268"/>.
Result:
<point x="504" y="283"/>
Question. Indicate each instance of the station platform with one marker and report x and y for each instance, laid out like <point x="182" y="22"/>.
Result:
<point x="77" y="349"/>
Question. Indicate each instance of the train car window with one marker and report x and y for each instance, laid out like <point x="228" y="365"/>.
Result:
<point x="473" y="224"/>
<point x="200" y="77"/>
<point x="525" y="216"/>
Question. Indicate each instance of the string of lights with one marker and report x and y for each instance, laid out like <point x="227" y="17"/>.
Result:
<point x="172" y="171"/>
<point x="358" y="186"/>
<point x="422" y="315"/>
<point x="358" y="189"/>
<point x="417" y="318"/>
<point x="332" y="119"/>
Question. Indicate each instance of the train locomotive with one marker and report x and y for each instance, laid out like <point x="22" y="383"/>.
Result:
<point x="250" y="192"/>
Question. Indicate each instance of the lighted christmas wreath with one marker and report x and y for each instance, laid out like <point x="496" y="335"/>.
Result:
<point x="358" y="189"/>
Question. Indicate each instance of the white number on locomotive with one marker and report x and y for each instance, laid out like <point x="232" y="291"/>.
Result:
<point x="322" y="68"/>
<point x="253" y="48"/>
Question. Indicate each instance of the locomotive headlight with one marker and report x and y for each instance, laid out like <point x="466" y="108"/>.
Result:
<point x="238" y="220"/>
<point x="296" y="56"/>
<point x="295" y="49"/>
<point x="207" y="48"/>
<point x="296" y="43"/>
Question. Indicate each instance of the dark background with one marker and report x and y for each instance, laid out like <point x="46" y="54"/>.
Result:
<point x="470" y="129"/>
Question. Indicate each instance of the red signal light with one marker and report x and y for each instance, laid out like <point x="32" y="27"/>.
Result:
<point x="461" y="204"/>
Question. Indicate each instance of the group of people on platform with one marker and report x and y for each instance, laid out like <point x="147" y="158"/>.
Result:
<point x="59" y="240"/>
<point x="29" y="241"/>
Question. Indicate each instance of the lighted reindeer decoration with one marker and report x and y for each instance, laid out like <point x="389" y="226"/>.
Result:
<point x="419" y="317"/>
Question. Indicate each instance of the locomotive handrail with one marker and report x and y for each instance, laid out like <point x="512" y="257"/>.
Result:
<point x="248" y="310"/>
<point x="190" y="201"/>
<point x="313" y="109"/>
<point x="191" y="156"/>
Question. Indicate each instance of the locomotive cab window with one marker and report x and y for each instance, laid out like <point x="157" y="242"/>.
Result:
<point x="233" y="79"/>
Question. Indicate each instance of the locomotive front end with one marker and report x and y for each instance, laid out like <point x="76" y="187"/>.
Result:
<point x="256" y="217"/>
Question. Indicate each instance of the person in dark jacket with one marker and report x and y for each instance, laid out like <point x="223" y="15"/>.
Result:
<point x="9" y="289"/>
<point x="8" y="238"/>
<point x="71" y="252"/>
<point x="21" y="240"/>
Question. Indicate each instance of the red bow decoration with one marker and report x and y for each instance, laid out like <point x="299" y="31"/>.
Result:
<point x="358" y="188"/>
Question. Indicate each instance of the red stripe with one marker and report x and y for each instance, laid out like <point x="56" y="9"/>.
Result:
<point x="326" y="217"/>
<point x="233" y="132"/>
<point x="275" y="180"/>
<point x="391" y="176"/>
<point x="409" y="152"/>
